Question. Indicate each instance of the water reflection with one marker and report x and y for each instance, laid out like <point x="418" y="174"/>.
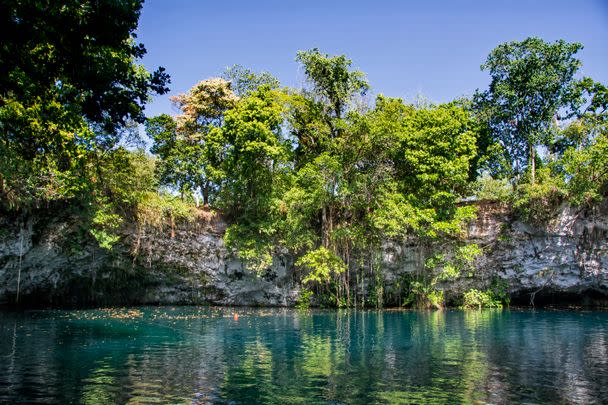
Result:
<point x="206" y="355"/>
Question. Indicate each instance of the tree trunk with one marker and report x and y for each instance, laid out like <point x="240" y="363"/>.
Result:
<point x="206" y="193"/>
<point x="347" y="275"/>
<point x="324" y="238"/>
<point x="172" y="226"/>
<point x="533" y="162"/>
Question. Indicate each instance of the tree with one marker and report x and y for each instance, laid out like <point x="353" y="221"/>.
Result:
<point x="244" y="81"/>
<point x="331" y="80"/>
<point x="318" y="110"/>
<point x="179" y="164"/>
<point x="587" y="170"/>
<point x="69" y="81"/>
<point x="248" y="160"/>
<point x="203" y="106"/>
<point x="532" y="84"/>
<point x="437" y="146"/>
<point x="79" y="54"/>
<point x="181" y="142"/>
<point x="419" y="169"/>
<point x="248" y="151"/>
<point x="318" y="113"/>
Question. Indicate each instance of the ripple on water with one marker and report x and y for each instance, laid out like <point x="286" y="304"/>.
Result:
<point x="209" y="355"/>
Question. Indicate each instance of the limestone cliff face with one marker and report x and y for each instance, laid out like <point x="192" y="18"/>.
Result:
<point x="49" y="260"/>
<point x="567" y="256"/>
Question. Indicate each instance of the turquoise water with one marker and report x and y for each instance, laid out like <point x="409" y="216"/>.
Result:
<point x="206" y="355"/>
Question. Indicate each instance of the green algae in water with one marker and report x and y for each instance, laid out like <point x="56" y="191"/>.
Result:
<point x="282" y="356"/>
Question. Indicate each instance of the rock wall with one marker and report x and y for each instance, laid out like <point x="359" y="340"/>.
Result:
<point x="567" y="257"/>
<point x="48" y="257"/>
<point x="51" y="259"/>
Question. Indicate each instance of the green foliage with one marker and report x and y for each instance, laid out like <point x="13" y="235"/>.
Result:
<point x="332" y="80"/>
<point x="124" y="176"/>
<point x="424" y="289"/>
<point x="343" y="179"/>
<point x="177" y="163"/>
<point x="499" y="290"/>
<point x="480" y="299"/>
<point x="321" y="264"/>
<point x="394" y="216"/>
<point x="183" y="143"/>
<point x="45" y="41"/>
<point x="536" y="202"/>
<point x="53" y="115"/>
<point x="587" y="171"/>
<point x="243" y="81"/>
<point x="105" y="224"/>
<point x="532" y="82"/>
<point x="423" y="295"/>
<point x="453" y="226"/>
<point x="495" y="297"/>
<point x="252" y="243"/>
<point x="487" y="188"/>
<point x="431" y="151"/>
<point x="536" y="102"/>
<point x="247" y="161"/>
<point x="449" y="267"/>
<point x="125" y="187"/>
<point x="322" y="267"/>
<point x="158" y="209"/>
<point x="467" y="254"/>
<point x="437" y="146"/>
<point x="304" y="299"/>
<point x="320" y="173"/>
<point x="248" y="153"/>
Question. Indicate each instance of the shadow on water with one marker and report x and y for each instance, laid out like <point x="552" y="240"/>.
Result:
<point x="208" y="355"/>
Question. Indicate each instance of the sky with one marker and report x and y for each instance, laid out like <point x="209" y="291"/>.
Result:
<point x="432" y="48"/>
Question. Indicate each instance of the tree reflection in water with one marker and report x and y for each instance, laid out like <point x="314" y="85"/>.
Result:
<point x="207" y="355"/>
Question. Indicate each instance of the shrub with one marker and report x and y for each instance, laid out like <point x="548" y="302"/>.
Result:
<point x="303" y="301"/>
<point x="488" y="188"/>
<point x="536" y="202"/>
<point x="480" y="299"/>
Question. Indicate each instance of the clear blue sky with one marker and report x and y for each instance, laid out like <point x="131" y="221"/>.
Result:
<point x="406" y="48"/>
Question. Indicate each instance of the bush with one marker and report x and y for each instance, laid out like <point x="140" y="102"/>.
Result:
<point x="303" y="301"/>
<point x="536" y="203"/>
<point x="424" y="296"/>
<point x="587" y="170"/>
<point x="488" y="188"/>
<point x="480" y="299"/>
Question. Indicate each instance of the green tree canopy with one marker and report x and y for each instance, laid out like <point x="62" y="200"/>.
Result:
<point x="532" y="84"/>
<point x="244" y="81"/>
<point x="181" y="142"/>
<point x="70" y="83"/>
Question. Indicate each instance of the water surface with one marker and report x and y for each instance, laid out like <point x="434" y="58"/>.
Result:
<point x="207" y="355"/>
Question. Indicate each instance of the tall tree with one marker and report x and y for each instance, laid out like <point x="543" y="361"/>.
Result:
<point x="69" y="82"/>
<point x="249" y="161"/>
<point x="179" y="160"/>
<point x="248" y="151"/>
<point x="181" y="142"/>
<point x="532" y="83"/>
<point x="244" y="81"/>
<point x="319" y="109"/>
<point x="80" y="54"/>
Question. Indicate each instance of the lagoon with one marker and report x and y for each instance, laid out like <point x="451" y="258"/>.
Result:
<point x="199" y="355"/>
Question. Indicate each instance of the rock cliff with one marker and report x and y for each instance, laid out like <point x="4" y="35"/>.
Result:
<point x="48" y="260"/>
